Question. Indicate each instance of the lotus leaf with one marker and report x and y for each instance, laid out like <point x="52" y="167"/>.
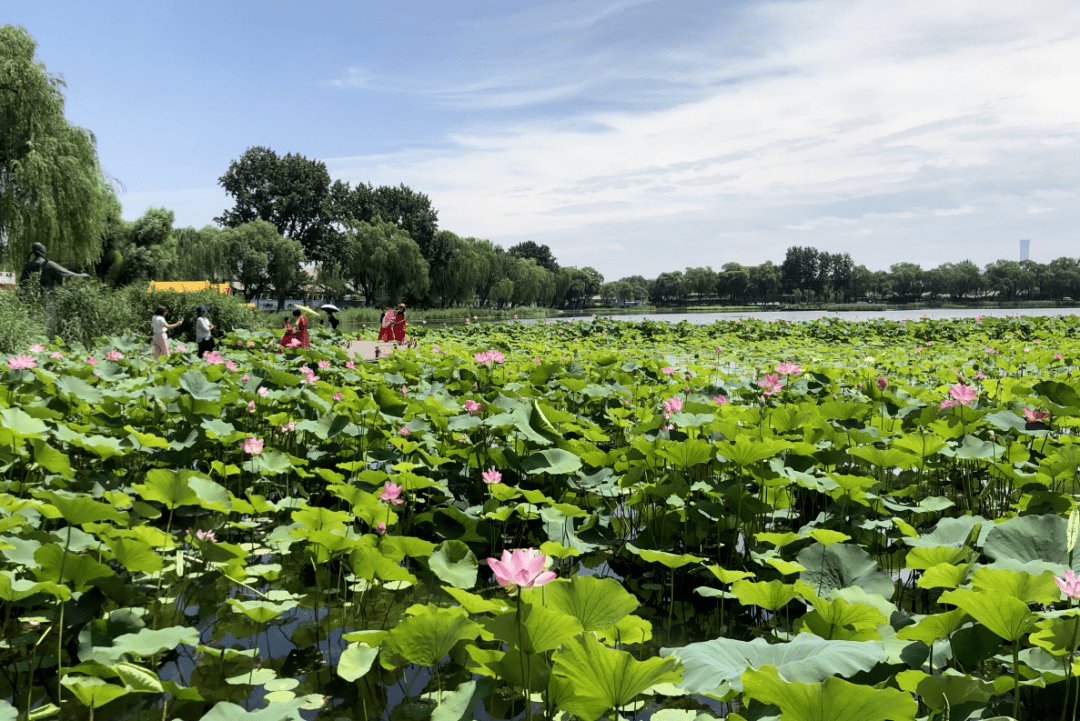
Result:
<point x="427" y="638"/>
<point x="603" y="678"/>
<point x="807" y="658"/>
<point x="832" y="699"/>
<point x="454" y="563"/>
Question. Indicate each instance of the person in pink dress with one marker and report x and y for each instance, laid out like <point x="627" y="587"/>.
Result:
<point x="290" y="334"/>
<point x="386" y="332"/>
<point x="301" y="329"/>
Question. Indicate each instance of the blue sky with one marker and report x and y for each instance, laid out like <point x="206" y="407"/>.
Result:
<point x="632" y="136"/>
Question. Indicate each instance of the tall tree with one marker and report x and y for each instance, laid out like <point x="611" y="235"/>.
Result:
<point x="384" y="262"/>
<point x="140" y="251"/>
<point x="291" y="193"/>
<point x="540" y="253"/>
<point x="52" y="189"/>
<point x="262" y="260"/>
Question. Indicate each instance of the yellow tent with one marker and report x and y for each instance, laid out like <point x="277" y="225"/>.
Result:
<point x="190" y="286"/>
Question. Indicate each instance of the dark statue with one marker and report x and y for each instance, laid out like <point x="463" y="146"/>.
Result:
<point x="52" y="274"/>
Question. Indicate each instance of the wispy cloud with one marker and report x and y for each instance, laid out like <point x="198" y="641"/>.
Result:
<point x="921" y="131"/>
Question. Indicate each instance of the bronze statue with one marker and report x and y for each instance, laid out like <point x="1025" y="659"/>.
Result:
<point x="52" y="273"/>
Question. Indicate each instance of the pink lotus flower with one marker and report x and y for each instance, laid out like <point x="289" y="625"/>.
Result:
<point x="251" y="344"/>
<point x="489" y="357"/>
<point x="37" y="348"/>
<point x="667" y="370"/>
<point x="206" y="536"/>
<point x="381" y="529"/>
<point x="251" y="406"/>
<point x="1070" y="585"/>
<point x="309" y="376"/>
<point x="350" y="365"/>
<point x="21" y="362"/>
<point x="182" y="348"/>
<point x="949" y="403"/>
<point x="1057" y="356"/>
<point x="963" y="394"/>
<point x="56" y="354"/>
<point x="882" y="383"/>
<point x="337" y="396"/>
<point x="404" y="432"/>
<point x="992" y="350"/>
<point x="515" y="316"/>
<point x="252" y="446"/>
<point x="771" y="383"/>
<point x="324" y="364"/>
<point x="491" y="477"/>
<point x="293" y="343"/>
<point x="288" y="427"/>
<point x="472" y="406"/>
<point x="404" y="390"/>
<point x="1036" y="415"/>
<point x="91" y="360"/>
<point x="391" y="493"/>
<point x="232" y="366"/>
<point x="239" y="342"/>
<point x="214" y="358"/>
<point x="536" y="361"/>
<point x="720" y="400"/>
<point x="789" y="369"/>
<point x="524" y="568"/>
<point x="672" y="405"/>
<point x="263" y="390"/>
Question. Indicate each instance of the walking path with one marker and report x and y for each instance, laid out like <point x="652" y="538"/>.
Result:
<point x="369" y="349"/>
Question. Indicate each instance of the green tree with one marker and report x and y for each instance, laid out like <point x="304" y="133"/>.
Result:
<point x="140" y="251"/>
<point x="701" y="282"/>
<point x="454" y="283"/>
<point x="291" y="193"/>
<point x="540" y="253"/>
<point x="201" y="255"/>
<point x="668" y="289"/>
<point x="383" y="262"/>
<point x="263" y="261"/>
<point x="765" y="282"/>
<point x="52" y="189"/>
<point x="907" y="280"/>
<point x="733" y="282"/>
<point x="800" y="269"/>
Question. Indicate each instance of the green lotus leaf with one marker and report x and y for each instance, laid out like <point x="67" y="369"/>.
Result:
<point x="924" y="557"/>
<point x="280" y="711"/>
<point x="686" y="454"/>
<point x="459" y="704"/>
<point x="51" y="459"/>
<point x="390" y="401"/>
<point x="832" y="699"/>
<point x="542" y="628"/>
<point x="940" y="692"/>
<point x="888" y="458"/>
<point x="552" y="460"/>
<point x="138" y="679"/>
<point x="93" y="691"/>
<point x="597" y="603"/>
<point x="356" y="661"/>
<point x="604" y="678"/>
<point x="77" y="509"/>
<point x="1023" y="586"/>
<point x="769" y="595"/>
<point x="841" y="565"/>
<point x="427" y="638"/>
<point x="261" y="611"/>
<point x="745" y="452"/>
<point x="954" y="532"/>
<point x="839" y="620"/>
<point x="17" y="423"/>
<point x="1038" y="542"/>
<point x="134" y="555"/>
<point x="1057" y="392"/>
<point x="1006" y="616"/>
<point x="168" y="487"/>
<point x="454" y="563"/>
<point x="944" y="575"/>
<point x="826" y="537"/>
<point x="670" y="560"/>
<point x="1059" y="636"/>
<point x="397" y="548"/>
<point x="147" y="642"/>
<point x="13" y="589"/>
<point x="199" y="387"/>
<point x="78" y="569"/>
<point x="807" y="658"/>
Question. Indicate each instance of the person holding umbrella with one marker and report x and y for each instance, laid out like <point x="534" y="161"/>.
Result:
<point x="301" y="328"/>
<point x="203" y="326"/>
<point x="330" y="309"/>
<point x="400" y="324"/>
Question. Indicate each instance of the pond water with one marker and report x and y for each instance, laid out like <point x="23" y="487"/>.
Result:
<point x="794" y="316"/>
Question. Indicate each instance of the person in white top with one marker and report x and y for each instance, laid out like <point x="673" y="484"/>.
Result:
<point x="160" y="330"/>
<point x="202" y="331"/>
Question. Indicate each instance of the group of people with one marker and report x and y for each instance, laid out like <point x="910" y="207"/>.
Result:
<point x="393" y="325"/>
<point x="160" y="327"/>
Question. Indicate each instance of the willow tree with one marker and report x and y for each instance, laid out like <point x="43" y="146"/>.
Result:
<point x="52" y="189"/>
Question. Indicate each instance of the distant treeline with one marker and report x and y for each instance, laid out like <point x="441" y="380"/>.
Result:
<point x="293" y="233"/>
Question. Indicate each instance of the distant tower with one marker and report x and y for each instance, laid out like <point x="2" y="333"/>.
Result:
<point x="1025" y="246"/>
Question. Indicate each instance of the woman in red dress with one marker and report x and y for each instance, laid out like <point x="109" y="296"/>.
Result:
<point x="290" y="334"/>
<point x="386" y="333"/>
<point x="400" y="324"/>
<point x="301" y="329"/>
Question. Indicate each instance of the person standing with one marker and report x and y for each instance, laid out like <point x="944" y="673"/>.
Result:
<point x="332" y="320"/>
<point x="159" y="328"/>
<point x="386" y="333"/>
<point x="203" y="326"/>
<point x="400" y="324"/>
<point x="301" y="329"/>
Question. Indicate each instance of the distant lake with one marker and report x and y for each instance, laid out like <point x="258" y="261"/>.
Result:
<point x="804" y="315"/>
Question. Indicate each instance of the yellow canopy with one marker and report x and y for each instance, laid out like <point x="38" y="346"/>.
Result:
<point x="190" y="286"/>
<point x="306" y="309"/>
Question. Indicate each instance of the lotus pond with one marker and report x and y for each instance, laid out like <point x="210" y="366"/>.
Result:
<point x="743" y="520"/>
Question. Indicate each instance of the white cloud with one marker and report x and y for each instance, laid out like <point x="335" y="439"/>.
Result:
<point x="899" y="131"/>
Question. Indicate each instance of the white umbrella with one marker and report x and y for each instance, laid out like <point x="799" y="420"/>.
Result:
<point x="330" y="307"/>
